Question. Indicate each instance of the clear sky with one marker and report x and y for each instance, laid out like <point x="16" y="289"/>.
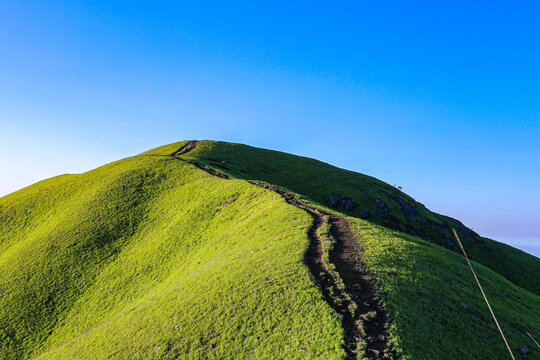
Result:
<point x="442" y="99"/>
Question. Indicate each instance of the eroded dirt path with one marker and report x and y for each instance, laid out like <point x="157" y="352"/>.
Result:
<point x="350" y="291"/>
<point x="346" y="257"/>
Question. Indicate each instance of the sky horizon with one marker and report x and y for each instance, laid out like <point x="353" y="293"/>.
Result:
<point x="441" y="99"/>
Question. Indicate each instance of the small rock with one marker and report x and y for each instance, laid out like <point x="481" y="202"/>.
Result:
<point x="451" y="243"/>
<point x="302" y="349"/>
<point x="381" y="209"/>
<point x="347" y="204"/>
<point x="408" y="209"/>
<point x="364" y="214"/>
<point x="464" y="306"/>
<point x="334" y="200"/>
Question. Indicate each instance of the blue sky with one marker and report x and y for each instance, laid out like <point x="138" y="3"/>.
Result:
<point x="442" y="99"/>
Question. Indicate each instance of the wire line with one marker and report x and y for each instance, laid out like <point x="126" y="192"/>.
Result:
<point x="533" y="339"/>
<point x="484" y="295"/>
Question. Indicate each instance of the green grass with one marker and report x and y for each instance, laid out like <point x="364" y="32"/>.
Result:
<point x="423" y="286"/>
<point x="91" y="268"/>
<point x="141" y="259"/>
<point x="318" y="181"/>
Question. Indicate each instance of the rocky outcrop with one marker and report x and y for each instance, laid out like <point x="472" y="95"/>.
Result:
<point x="336" y="201"/>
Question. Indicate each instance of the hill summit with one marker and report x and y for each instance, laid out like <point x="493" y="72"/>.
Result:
<point x="207" y="249"/>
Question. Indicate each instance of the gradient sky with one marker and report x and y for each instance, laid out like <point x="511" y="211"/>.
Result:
<point x="442" y="99"/>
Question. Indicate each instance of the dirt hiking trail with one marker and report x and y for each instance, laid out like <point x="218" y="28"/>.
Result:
<point x="348" y="290"/>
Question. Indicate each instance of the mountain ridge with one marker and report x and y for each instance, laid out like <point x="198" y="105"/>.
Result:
<point x="152" y="257"/>
<point x="385" y="205"/>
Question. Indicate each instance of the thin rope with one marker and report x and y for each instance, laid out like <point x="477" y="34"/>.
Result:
<point x="533" y="339"/>
<point x="484" y="295"/>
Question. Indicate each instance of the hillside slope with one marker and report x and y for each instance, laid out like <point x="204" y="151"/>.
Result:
<point x="137" y="259"/>
<point x="375" y="201"/>
<point x="156" y="257"/>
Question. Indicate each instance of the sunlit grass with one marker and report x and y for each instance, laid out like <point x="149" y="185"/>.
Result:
<point x="150" y="257"/>
<point x="137" y="259"/>
<point x="424" y="288"/>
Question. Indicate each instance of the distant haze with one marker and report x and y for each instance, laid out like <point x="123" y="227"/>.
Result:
<point x="532" y="246"/>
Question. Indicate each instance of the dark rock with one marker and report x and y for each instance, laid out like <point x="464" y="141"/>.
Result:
<point x="347" y="204"/>
<point x="381" y="209"/>
<point x="485" y="319"/>
<point x="451" y="243"/>
<point x="337" y="201"/>
<point x="408" y="209"/>
<point x="334" y="200"/>
<point x="364" y="214"/>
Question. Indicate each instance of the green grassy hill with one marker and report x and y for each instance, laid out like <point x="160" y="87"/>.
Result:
<point x="152" y="257"/>
<point x="377" y="202"/>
